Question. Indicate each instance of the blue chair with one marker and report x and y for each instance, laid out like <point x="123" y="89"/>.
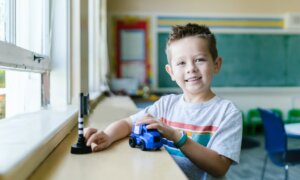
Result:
<point x="276" y="142"/>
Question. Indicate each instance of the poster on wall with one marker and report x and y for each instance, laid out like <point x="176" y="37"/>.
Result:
<point x="132" y="45"/>
<point x="134" y="70"/>
<point x="132" y="49"/>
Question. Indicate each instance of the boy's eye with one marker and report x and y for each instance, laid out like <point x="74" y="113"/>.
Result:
<point x="199" y="60"/>
<point x="180" y="63"/>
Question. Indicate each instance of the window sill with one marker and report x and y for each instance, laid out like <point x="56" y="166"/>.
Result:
<point x="26" y="140"/>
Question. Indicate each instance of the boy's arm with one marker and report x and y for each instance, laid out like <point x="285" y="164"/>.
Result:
<point x="206" y="159"/>
<point x="100" y="140"/>
<point x="119" y="129"/>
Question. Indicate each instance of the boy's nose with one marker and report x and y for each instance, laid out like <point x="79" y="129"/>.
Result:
<point x="191" y="68"/>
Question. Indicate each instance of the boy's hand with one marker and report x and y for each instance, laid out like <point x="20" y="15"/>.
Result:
<point x="88" y="132"/>
<point x="97" y="140"/>
<point x="165" y="130"/>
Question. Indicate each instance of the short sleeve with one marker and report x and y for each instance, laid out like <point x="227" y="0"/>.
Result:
<point x="152" y="110"/>
<point x="227" y="139"/>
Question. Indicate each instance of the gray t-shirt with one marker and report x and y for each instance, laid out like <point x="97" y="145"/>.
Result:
<point x="216" y="124"/>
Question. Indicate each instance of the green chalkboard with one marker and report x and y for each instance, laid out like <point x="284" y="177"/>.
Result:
<point x="249" y="60"/>
<point x="164" y="80"/>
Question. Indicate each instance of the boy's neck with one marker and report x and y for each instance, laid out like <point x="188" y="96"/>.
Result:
<point x="192" y="98"/>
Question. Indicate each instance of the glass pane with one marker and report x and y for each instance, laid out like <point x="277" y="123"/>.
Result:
<point x="2" y="106"/>
<point x="2" y="78"/>
<point x="2" y="20"/>
<point x="21" y="97"/>
<point x="29" y="25"/>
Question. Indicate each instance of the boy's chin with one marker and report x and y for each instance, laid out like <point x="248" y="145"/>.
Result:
<point x="195" y="91"/>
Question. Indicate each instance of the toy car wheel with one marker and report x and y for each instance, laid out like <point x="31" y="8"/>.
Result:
<point x="132" y="142"/>
<point x="142" y="145"/>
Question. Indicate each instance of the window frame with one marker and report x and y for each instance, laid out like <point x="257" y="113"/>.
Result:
<point x="13" y="57"/>
<point x="17" y="58"/>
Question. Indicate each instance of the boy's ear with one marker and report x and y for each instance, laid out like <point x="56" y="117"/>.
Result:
<point x="170" y="71"/>
<point x="217" y="65"/>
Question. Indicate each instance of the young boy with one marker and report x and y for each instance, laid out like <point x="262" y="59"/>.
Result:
<point x="213" y="125"/>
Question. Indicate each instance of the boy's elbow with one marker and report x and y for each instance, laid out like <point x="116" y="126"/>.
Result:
<point x="222" y="170"/>
<point x="220" y="173"/>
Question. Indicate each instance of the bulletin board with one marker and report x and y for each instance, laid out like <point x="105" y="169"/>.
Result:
<point x="132" y="49"/>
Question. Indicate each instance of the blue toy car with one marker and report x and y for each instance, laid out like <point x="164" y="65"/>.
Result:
<point x="146" y="139"/>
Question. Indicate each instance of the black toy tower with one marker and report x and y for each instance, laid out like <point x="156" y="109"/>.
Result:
<point x="80" y="147"/>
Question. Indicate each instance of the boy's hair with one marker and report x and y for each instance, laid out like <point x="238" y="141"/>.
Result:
<point x="201" y="31"/>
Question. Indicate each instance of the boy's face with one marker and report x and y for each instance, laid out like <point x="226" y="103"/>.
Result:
<point x="191" y="65"/>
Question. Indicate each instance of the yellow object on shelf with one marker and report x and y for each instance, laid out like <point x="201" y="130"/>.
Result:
<point x="153" y="97"/>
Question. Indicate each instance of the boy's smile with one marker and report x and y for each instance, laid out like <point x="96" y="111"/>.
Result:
<point x="192" y="67"/>
<point x="192" y="79"/>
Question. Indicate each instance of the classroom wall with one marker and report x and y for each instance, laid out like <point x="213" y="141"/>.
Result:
<point x="283" y="98"/>
<point x="204" y="6"/>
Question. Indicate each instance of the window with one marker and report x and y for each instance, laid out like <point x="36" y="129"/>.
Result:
<point x="2" y="94"/>
<point x="98" y="64"/>
<point x="2" y="20"/>
<point x="15" y="97"/>
<point x="25" y="76"/>
<point x="32" y="80"/>
<point x="30" y="23"/>
<point x="24" y="61"/>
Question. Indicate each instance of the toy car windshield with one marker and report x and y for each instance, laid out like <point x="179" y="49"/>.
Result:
<point x="146" y="139"/>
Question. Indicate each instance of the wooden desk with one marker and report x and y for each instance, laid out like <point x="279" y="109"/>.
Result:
<point x="118" y="162"/>
<point x="292" y="130"/>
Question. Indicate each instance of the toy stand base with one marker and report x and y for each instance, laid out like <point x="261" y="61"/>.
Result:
<point x="80" y="149"/>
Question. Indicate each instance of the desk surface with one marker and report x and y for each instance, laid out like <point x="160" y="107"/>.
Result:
<point x="293" y="130"/>
<point x="118" y="162"/>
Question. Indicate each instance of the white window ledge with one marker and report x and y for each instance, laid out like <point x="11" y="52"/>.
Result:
<point x="26" y="140"/>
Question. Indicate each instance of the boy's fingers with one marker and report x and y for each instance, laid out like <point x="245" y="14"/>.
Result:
<point x="153" y="126"/>
<point x="88" y="132"/>
<point x="148" y="115"/>
<point x="98" y="147"/>
<point x="92" y="139"/>
<point x="94" y="147"/>
<point x="145" y="121"/>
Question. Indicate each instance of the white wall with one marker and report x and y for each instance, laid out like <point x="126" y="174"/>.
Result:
<point x="247" y="98"/>
<point x="204" y="6"/>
